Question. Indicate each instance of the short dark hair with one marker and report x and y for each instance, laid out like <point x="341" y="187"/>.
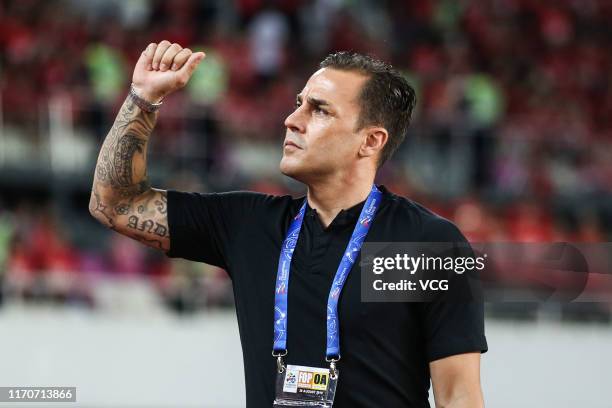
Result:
<point x="386" y="98"/>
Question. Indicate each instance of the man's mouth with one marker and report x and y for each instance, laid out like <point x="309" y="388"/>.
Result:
<point x="290" y="144"/>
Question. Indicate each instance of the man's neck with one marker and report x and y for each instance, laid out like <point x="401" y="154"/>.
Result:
<point x="333" y="195"/>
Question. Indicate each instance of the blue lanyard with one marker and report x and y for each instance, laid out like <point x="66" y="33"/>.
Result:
<point x="348" y="259"/>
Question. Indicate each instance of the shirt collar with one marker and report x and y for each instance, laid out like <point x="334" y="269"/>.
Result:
<point x="345" y="216"/>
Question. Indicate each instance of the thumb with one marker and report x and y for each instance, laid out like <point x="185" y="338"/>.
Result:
<point x="143" y="61"/>
<point x="192" y="63"/>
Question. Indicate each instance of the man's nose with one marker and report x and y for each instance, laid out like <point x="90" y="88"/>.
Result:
<point x="295" y="121"/>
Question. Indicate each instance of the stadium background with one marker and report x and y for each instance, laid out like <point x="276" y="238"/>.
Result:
<point x="512" y="140"/>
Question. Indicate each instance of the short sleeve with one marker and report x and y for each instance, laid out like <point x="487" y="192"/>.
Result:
<point x="452" y="326"/>
<point x="202" y="224"/>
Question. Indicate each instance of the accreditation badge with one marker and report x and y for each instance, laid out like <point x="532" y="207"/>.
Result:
<point x="301" y="386"/>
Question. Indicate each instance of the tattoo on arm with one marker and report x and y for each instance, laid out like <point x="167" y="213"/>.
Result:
<point x="121" y="167"/>
<point x="122" y="198"/>
<point x="143" y="218"/>
<point x="96" y="206"/>
<point x="162" y="205"/>
<point x="146" y="223"/>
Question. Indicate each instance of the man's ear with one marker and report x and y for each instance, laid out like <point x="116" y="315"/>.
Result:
<point x="375" y="139"/>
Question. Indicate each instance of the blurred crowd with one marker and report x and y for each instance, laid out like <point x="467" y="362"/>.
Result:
<point x="512" y="137"/>
<point x="43" y="265"/>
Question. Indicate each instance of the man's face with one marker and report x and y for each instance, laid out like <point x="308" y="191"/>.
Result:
<point x="321" y="139"/>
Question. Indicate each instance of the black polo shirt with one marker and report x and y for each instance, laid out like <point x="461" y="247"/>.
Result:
<point x="385" y="347"/>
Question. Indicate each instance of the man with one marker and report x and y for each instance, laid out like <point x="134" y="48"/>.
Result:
<point x="349" y="118"/>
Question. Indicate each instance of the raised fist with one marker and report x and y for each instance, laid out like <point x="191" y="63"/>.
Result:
<point x="162" y="69"/>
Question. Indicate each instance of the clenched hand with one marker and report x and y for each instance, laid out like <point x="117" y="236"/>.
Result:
<point x="164" y="68"/>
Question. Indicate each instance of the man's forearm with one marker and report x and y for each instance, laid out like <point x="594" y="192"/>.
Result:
<point x="121" y="168"/>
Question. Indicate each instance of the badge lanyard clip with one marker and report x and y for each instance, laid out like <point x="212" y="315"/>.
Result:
<point x="333" y="371"/>
<point x="280" y="365"/>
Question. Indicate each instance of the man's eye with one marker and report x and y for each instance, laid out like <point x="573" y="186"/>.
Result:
<point x="316" y="109"/>
<point x="297" y="105"/>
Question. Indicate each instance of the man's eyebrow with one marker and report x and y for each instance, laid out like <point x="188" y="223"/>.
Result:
<point x="314" y="101"/>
